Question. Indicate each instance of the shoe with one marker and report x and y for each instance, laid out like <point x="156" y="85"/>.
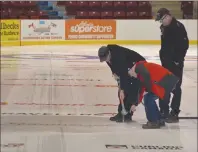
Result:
<point x="114" y="118"/>
<point x="164" y="114"/>
<point x="172" y="117"/>
<point x="162" y="123"/>
<point x="127" y="118"/>
<point x="151" y="125"/>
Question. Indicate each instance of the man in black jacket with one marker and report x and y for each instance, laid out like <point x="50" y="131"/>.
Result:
<point x="174" y="45"/>
<point x="120" y="60"/>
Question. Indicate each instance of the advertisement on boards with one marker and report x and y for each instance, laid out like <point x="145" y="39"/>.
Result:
<point x="10" y="30"/>
<point x="42" y="30"/>
<point x="90" y="29"/>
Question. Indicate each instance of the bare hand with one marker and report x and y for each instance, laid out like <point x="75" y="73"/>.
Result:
<point x="133" y="108"/>
<point x="132" y="72"/>
<point x="122" y="95"/>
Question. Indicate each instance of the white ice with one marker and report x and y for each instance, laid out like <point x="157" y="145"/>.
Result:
<point x="44" y="85"/>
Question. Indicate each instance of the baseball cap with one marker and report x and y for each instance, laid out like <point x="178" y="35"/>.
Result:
<point x="161" y="12"/>
<point x="103" y="53"/>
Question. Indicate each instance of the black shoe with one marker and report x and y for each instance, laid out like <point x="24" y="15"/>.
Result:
<point x="164" y="114"/>
<point x="151" y="125"/>
<point x="114" y="118"/>
<point x="162" y="123"/>
<point x="126" y="118"/>
<point x="173" y="117"/>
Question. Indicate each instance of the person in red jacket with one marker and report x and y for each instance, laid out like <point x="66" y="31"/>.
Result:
<point x="158" y="82"/>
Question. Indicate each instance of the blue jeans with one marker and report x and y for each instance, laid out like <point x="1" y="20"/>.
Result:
<point x="151" y="108"/>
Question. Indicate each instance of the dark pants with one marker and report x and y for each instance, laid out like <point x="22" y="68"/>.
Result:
<point x="177" y="70"/>
<point x="127" y="103"/>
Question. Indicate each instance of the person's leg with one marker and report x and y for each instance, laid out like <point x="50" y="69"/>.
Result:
<point x="119" y="115"/>
<point x="131" y="97"/>
<point x="152" y="112"/>
<point x="127" y="104"/>
<point x="176" y="101"/>
<point x="177" y="70"/>
<point x="177" y="93"/>
<point x="164" y="105"/>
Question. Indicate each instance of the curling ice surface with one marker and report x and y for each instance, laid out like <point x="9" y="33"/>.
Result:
<point x="60" y="98"/>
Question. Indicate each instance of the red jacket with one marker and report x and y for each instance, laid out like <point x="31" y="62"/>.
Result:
<point x="156" y="79"/>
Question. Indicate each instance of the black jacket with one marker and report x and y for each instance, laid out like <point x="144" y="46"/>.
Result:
<point x="174" y="42"/>
<point x="122" y="59"/>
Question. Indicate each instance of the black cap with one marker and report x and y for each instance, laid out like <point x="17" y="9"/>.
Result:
<point x="103" y="52"/>
<point x="161" y="12"/>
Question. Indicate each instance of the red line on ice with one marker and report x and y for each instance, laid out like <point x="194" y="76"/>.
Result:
<point x="62" y="85"/>
<point x="73" y="105"/>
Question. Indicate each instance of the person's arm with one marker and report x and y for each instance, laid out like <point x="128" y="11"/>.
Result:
<point x="141" y="94"/>
<point x="181" y="42"/>
<point x="144" y="73"/>
<point x="166" y="52"/>
<point x="121" y="66"/>
<point x="134" y="92"/>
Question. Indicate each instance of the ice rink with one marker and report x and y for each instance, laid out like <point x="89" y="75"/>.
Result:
<point x="60" y="98"/>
